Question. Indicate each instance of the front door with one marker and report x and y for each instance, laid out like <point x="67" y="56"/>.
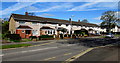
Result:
<point x="27" y="33"/>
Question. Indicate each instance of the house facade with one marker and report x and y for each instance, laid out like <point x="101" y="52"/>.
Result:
<point x="116" y="29"/>
<point x="27" y="26"/>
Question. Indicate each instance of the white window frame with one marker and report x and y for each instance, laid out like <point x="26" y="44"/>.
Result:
<point x="21" y="22"/>
<point x="34" y="23"/>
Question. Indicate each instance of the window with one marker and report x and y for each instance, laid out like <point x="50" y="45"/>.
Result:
<point x="54" y="31"/>
<point x="21" y="22"/>
<point x="34" y="22"/>
<point x="45" y="32"/>
<point x="34" y="32"/>
<point x="59" y="24"/>
<point x="49" y="31"/>
<point x="23" y="31"/>
<point x="27" y="31"/>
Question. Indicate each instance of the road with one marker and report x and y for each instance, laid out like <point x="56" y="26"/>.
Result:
<point x="55" y="50"/>
<point x="109" y="54"/>
<point x="52" y="51"/>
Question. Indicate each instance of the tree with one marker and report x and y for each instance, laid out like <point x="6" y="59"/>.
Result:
<point x="104" y="25"/>
<point x="5" y="29"/>
<point x="84" y="21"/>
<point x="109" y="19"/>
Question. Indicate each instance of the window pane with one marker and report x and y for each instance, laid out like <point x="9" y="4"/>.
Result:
<point x="34" y="22"/>
<point x="21" y="22"/>
<point x="27" y="31"/>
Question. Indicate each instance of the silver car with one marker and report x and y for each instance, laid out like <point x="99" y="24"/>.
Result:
<point x="110" y="35"/>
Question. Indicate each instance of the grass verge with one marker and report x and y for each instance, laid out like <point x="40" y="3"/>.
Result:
<point x="14" y="46"/>
<point x="117" y="35"/>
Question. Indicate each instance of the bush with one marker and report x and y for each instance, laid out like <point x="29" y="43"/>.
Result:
<point x="14" y="37"/>
<point x="65" y="35"/>
<point x="33" y="37"/>
<point x="69" y="35"/>
<point x="45" y="36"/>
<point x="5" y="35"/>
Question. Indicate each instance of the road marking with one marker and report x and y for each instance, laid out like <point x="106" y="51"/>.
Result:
<point x="50" y="58"/>
<point x="67" y="54"/>
<point x="32" y="50"/>
<point x="82" y="53"/>
<point x="29" y="46"/>
<point x="36" y="50"/>
<point x="78" y="55"/>
<point x="2" y="55"/>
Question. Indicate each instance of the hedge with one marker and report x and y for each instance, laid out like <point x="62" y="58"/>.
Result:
<point x="14" y="37"/>
<point x="33" y="37"/>
<point x="45" y="36"/>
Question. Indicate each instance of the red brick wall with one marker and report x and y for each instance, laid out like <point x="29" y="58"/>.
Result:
<point x="22" y="35"/>
<point x="42" y="32"/>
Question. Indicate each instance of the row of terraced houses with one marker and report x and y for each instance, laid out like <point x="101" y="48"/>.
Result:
<point x="27" y="26"/>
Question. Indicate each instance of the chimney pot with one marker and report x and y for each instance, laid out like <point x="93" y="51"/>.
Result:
<point x="78" y="20"/>
<point x="26" y="13"/>
<point x="70" y="19"/>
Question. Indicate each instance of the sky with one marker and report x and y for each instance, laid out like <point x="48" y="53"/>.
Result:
<point x="89" y="10"/>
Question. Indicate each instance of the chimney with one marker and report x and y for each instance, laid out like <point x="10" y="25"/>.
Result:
<point x="70" y="19"/>
<point x="26" y="13"/>
<point x="78" y="20"/>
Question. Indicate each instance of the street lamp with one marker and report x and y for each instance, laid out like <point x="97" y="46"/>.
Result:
<point x="70" y="19"/>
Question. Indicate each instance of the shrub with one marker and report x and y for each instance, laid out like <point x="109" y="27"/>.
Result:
<point x="33" y="37"/>
<point x="5" y="35"/>
<point x="69" y="35"/>
<point x="14" y="37"/>
<point x="65" y="35"/>
<point x="45" y="36"/>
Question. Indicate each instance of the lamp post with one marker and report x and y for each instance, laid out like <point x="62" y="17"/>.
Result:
<point x="70" y="19"/>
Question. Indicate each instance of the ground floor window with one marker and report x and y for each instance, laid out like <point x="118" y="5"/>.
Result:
<point x="23" y="31"/>
<point x="27" y="31"/>
<point x="34" y="32"/>
<point x="50" y="32"/>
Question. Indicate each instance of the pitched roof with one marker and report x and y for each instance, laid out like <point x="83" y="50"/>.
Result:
<point x="24" y="27"/>
<point x="43" y="19"/>
<point x="46" y="27"/>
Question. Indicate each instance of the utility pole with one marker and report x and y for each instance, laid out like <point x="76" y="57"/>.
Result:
<point x="70" y="19"/>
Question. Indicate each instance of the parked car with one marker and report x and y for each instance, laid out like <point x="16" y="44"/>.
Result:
<point x="110" y="35"/>
<point x="98" y="34"/>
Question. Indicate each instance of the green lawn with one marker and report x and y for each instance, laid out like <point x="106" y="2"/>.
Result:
<point x="117" y="35"/>
<point x="14" y="46"/>
<point x="102" y="37"/>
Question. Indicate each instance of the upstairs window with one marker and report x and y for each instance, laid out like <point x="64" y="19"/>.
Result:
<point x="67" y="24"/>
<point x="21" y="22"/>
<point x="34" y="22"/>
<point x="60" y="24"/>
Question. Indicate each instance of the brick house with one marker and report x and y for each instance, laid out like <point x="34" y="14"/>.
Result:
<point x="27" y="25"/>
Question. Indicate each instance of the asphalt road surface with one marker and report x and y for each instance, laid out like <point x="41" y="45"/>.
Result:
<point x="109" y="54"/>
<point x="52" y="51"/>
<point x="57" y="50"/>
